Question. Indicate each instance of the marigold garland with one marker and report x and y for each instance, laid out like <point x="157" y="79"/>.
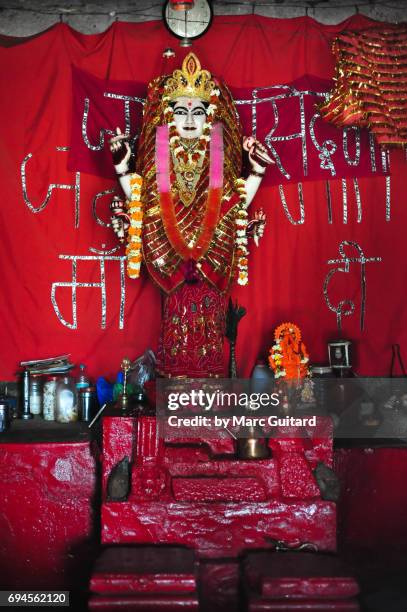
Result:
<point x="135" y="210"/>
<point x="241" y="221"/>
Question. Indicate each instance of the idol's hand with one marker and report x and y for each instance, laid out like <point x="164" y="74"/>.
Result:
<point x="255" y="227"/>
<point x="121" y="152"/>
<point x="119" y="220"/>
<point x="257" y="152"/>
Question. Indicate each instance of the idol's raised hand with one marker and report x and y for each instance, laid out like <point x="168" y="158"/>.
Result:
<point x="255" y="227"/>
<point x="121" y="152"/>
<point x="119" y="219"/>
<point x="257" y="152"/>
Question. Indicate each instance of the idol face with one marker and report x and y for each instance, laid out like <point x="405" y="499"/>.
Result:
<point x="189" y="117"/>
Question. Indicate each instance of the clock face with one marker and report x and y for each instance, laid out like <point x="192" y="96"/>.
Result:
<point x="188" y="24"/>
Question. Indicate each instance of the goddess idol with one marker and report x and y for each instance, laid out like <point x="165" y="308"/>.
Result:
<point x="186" y="212"/>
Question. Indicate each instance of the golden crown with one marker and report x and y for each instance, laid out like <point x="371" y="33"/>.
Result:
<point x="190" y="81"/>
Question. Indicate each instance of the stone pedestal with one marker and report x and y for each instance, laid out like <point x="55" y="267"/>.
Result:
<point x="298" y="581"/>
<point x="144" y="578"/>
<point x="193" y="513"/>
<point x="197" y="494"/>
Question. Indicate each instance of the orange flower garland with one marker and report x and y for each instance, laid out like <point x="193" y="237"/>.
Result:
<point x="133" y="249"/>
<point x="241" y="241"/>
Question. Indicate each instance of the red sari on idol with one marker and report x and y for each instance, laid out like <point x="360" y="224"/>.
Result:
<point x="192" y="243"/>
<point x="189" y="253"/>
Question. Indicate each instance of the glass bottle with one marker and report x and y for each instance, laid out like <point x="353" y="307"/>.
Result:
<point x="49" y="398"/>
<point x="66" y="404"/>
<point x="36" y="393"/>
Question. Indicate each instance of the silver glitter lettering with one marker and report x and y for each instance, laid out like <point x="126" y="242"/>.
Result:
<point x="103" y="131"/>
<point x="358" y="200"/>
<point x="254" y="112"/>
<point x="289" y="92"/>
<point x="285" y="206"/>
<point x="326" y="149"/>
<point x="388" y="198"/>
<point x="103" y="251"/>
<point x="347" y="307"/>
<point x="384" y="159"/>
<point x="95" y="200"/>
<point x="122" y="291"/>
<point x="345" y="143"/>
<point x="345" y="201"/>
<point x="74" y="284"/>
<point x="372" y="148"/>
<point x="36" y="209"/>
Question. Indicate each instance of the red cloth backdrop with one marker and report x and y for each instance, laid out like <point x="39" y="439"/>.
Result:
<point x="49" y="232"/>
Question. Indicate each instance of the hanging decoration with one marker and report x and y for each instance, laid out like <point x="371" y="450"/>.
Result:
<point x="371" y="82"/>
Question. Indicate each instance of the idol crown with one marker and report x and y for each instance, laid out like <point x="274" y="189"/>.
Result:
<point x="190" y="81"/>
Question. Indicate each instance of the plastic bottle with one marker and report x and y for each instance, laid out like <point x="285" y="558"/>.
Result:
<point x="83" y="381"/>
<point x="262" y="378"/>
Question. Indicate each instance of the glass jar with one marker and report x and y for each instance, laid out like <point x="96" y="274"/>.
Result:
<point x="49" y="398"/>
<point x="66" y="402"/>
<point x="36" y="393"/>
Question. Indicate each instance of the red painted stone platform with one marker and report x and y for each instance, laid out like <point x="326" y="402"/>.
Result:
<point x="48" y="483"/>
<point x="284" y="581"/>
<point x="144" y="579"/>
<point x="194" y="492"/>
<point x="219" y="529"/>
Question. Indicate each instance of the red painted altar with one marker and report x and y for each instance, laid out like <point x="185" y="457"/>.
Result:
<point x="194" y="511"/>
<point x="198" y="494"/>
<point x="186" y="218"/>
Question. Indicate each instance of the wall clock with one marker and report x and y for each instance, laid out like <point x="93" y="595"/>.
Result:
<point x="190" y="24"/>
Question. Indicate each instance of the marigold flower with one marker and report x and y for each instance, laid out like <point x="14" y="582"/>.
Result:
<point x="134" y="231"/>
<point x="137" y="215"/>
